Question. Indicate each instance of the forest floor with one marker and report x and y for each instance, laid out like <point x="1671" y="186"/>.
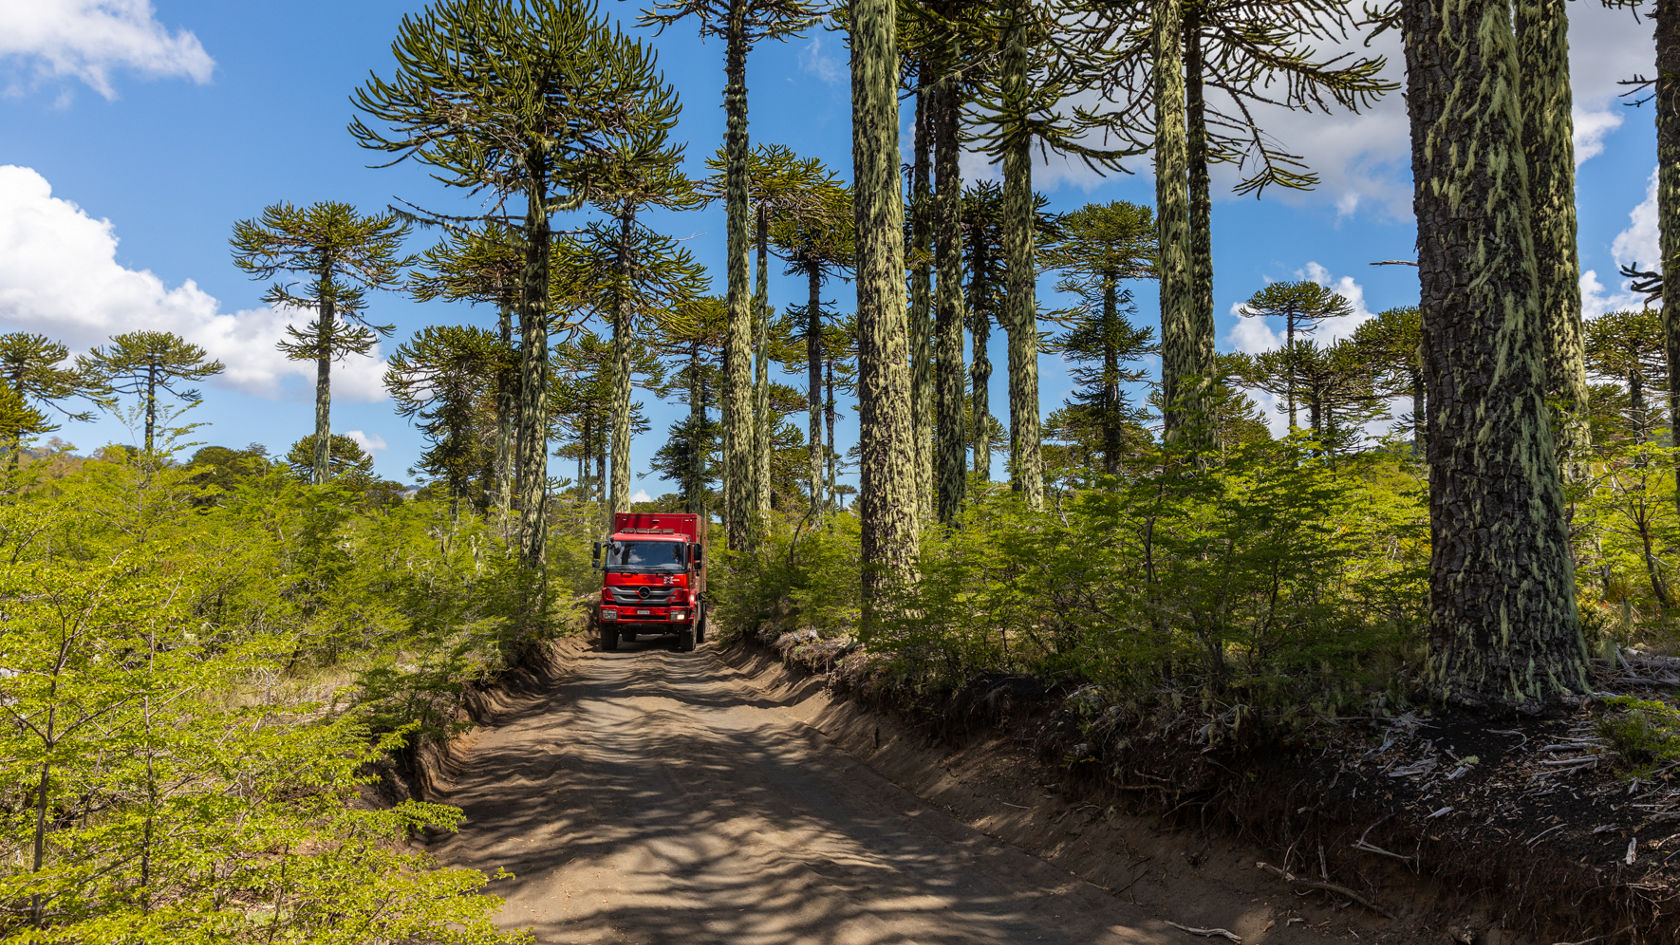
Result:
<point x="649" y="796"/>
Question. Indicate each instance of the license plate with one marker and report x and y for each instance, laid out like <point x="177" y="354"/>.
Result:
<point x="644" y="611"/>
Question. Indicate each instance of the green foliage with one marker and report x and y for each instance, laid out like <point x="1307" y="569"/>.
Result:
<point x="1643" y="735"/>
<point x="200" y="664"/>
<point x="1273" y="586"/>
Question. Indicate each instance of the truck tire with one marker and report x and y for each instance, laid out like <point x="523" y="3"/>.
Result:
<point x="628" y="634"/>
<point x="700" y="627"/>
<point x="685" y="640"/>
<point x="609" y="636"/>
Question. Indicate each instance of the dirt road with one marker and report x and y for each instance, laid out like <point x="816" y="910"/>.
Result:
<point x="658" y="797"/>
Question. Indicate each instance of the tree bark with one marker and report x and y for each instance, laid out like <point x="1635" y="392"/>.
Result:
<point x="1026" y="458"/>
<point x="737" y="405"/>
<point x="695" y="488"/>
<point x="948" y="297"/>
<point x="921" y="294"/>
<point x="830" y="414"/>
<point x="887" y="502"/>
<point x="1668" y="200"/>
<point x="532" y="479"/>
<point x="1542" y="30"/>
<point x="1201" y="195"/>
<point x="151" y="405"/>
<point x="1110" y="405"/>
<point x="1504" y="629"/>
<point x="813" y="381"/>
<point x="1186" y="348"/>
<point x="980" y="370"/>
<point x="323" y="378"/>
<point x="761" y="387"/>
<point x="507" y="393"/>
<point x="621" y="329"/>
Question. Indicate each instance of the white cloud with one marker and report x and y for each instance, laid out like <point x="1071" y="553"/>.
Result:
<point x="641" y="495"/>
<point x="1591" y="127"/>
<point x="815" y="61"/>
<point x="1638" y="243"/>
<point x="87" y="39"/>
<point x="371" y="442"/>
<point x="59" y="276"/>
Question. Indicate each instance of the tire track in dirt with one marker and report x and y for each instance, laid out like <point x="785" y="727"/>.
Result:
<point x="657" y="797"/>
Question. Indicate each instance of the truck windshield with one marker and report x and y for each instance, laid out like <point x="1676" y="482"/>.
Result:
<point x="645" y="555"/>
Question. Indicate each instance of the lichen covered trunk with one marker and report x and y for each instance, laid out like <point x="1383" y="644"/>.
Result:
<point x="949" y="382"/>
<point x="325" y="316"/>
<point x="761" y="374"/>
<point x="1026" y="459"/>
<point x="737" y="382"/>
<point x="619" y="448"/>
<point x="814" y="385"/>
<point x="1186" y="345"/>
<point x="1109" y="406"/>
<point x="980" y="370"/>
<point x="532" y="478"/>
<point x="1668" y="199"/>
<point x="1504" y="630"/>
<point x="507" y="393"/>
<point x="1201" y="190"/>
<point x="1542" y="28"/>
<point x="887" y="501"/>
<point x="921" y="295"/>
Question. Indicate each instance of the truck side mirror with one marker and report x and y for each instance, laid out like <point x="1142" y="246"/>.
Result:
<point x="697" y="553"/>
<point x="597" y="555"/>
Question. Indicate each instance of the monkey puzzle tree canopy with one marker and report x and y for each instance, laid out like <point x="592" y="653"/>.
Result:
<point x="507" y="98"/>
<point x="342" y="253"/>
<point x="143" y="363"/>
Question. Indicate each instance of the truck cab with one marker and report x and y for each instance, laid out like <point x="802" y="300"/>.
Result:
<point x="653" y="579"/>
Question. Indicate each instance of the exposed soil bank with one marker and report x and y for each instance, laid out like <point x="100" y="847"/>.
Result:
<point x="651" y="796"/>
<point x="1461" y="829"/>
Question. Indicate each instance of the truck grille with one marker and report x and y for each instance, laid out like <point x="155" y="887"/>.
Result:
<point x="656" y="596"/>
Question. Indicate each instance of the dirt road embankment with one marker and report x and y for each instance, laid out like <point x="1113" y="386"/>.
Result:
<point x="647" y="796"/>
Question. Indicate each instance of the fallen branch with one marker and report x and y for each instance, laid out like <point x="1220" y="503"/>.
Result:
<point x="1325" y="886"/>
<point x="1599" y="938"/>
<point x="1206" y="933"/>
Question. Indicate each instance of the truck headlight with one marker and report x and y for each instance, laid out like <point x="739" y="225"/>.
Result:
<point x="609" y="615"/>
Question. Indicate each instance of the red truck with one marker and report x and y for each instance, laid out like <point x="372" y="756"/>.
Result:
<point x="653" y="578"/>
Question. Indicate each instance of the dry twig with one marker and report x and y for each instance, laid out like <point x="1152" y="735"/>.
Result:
<point x="1207" y="933"/>
<point x="1325" y="886"/>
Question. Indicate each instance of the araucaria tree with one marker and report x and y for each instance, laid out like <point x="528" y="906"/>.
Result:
<point x="143" y="363"/>
<point x="1504" y="628"/>
<point x="505" y="97"/>
<point x="1301" y="305"/>
<point x="35" y="371"/>
<point x="887" y="501"/>
<point x="340" y="253"/>
<point x="1098" y="247"/>
<point x="444" y="380"/>
<point x="742" y="24"/>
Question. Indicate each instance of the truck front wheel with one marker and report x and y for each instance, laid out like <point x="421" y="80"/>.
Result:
<point x="685" y="639"/>
<point x="609" y="636"/>
<point x="700" y="626"/>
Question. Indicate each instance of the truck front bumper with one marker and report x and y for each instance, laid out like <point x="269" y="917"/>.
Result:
<point x="655" y="615"/>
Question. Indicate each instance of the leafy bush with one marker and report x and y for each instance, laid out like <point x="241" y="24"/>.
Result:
<point x="1643" y="735"/>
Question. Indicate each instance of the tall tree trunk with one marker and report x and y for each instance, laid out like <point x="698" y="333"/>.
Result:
<point x="761" y="406"/>
<point x="921" y="293"/>
<point x="980" y="371"/>
<point x="813" y="381"/>
<point x="695" y="488"/>
<point x="1026" y="458"/>
<point x="507" y="393"/>
<point x="1196" y="155"/>
<point x="1186" y="351"/>
<point x="532" y="478"/>
<point x="1420" y="426"/>
<point x="1668" y="200"/>
<point x="621" y="328"/>
<point x="323" y="379"/>
<point x="1504" y="629"/>
<point x="1289" y="364"/>
<point x="887" y="501"/>
<point x="948" y="298"/>
<point x="151" y="405"/>
<point x="737" y="382"/>
<point x="1548" y="141"/>
<point x="830" y="414"/>
<point x="1110" y="404"/>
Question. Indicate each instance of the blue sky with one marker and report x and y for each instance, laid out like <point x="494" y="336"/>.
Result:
<point x="133" y="135"/>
